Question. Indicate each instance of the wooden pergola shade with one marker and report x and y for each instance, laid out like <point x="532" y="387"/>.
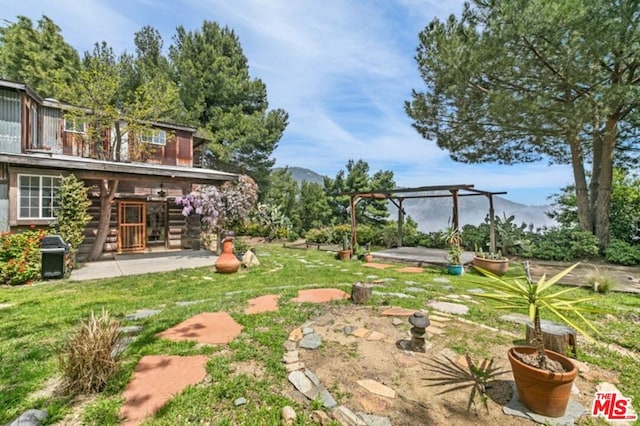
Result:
<point x="398" y="195"/>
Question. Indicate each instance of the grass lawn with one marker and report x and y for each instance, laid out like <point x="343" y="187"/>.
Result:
<point x="36" y="319"/>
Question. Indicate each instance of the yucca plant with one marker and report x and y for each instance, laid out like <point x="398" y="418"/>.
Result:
<point x="523" y="294"/>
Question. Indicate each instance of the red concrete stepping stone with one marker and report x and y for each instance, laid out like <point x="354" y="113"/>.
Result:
<point x="156" y="379"/>
<point x="207" y="327"/>
<point x="320" y="295"/>
<point x="377" y="265"/>
<point x="411" y="270"/>
<point x="266" y="303"/>
<point x="398" y="312"/>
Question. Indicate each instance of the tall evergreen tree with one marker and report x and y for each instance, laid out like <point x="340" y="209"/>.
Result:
<point x="228" y="106"/>
<point x="521" y="81"/>
<point x="37" y="56"/>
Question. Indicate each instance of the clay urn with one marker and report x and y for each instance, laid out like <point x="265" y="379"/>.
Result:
<point x="227" y="262"/>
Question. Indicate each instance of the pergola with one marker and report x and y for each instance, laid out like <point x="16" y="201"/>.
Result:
<point x="398" y="195"/>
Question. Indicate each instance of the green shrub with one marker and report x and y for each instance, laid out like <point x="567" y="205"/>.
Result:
<point x="622" y="253"/>
<point x="20" y="260"/>
<point x="88" y="358"/>
<point x="366" y="234"/>
<point x="72" y="217"/>
<point x="564" y="244"/>
<point x="583" y="245"/>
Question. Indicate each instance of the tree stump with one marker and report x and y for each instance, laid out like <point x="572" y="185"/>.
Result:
<point x="556" y="337"/>
<point x="361" y="293"/>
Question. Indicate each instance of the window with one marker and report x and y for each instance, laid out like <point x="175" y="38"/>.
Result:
<point x="155" y="137"/>
<point x="75" y="125"/>
<point x="38" y="196"/>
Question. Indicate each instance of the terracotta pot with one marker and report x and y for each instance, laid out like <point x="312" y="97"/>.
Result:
<point x="344" y="254"/>
<point x="541" y="391"/>
<point x="227" y="262"/>
<point x="495" y="266"/>
<point x="368" y="257"/>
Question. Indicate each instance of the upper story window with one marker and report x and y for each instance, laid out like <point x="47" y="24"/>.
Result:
<point x="75" y="125"/>
<point x="155" y="137"/>
<point x="38" y="196"/>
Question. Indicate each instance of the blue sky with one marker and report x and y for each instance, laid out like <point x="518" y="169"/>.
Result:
<point x="342" y="69"/>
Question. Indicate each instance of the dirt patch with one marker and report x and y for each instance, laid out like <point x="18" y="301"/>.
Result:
<point x="344" y="359"/>
<point x="250" y="368"/>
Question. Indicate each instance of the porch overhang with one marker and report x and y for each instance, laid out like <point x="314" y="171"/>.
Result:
<point x="89" y="168"/>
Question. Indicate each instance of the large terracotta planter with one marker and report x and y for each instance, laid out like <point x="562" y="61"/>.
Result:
<point x="495" y="266"/>
<point x="344" y="254"/>
<point x="541" y="391"/>
<point x="227" y="262"/>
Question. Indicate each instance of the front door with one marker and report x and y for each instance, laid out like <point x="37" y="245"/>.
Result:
<point x="132" y="226"/>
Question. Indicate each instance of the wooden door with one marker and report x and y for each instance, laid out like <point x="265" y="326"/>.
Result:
<point x="132" y="227"/>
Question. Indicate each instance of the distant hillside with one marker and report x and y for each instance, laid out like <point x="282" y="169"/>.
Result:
<point x="433" y="214"/>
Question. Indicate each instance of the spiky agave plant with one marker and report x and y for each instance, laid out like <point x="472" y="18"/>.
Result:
<point x="518" y="294"/>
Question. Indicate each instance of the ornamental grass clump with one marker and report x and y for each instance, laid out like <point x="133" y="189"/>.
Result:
<point x="88" y="358"/>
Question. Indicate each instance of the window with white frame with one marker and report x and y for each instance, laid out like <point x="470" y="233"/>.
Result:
<point x="75" y="125"/>
<point x="37" y="196"/>
<point x="155" y="137"/>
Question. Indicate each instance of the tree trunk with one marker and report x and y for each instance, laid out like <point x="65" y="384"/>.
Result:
<point x="118" y="142"/>
<point x="361" y="293"/>
<point x="582" y="192"/>
<point x="107" y="194"/>
<point x="603" y="200"/>
<point x="539" y="342"/>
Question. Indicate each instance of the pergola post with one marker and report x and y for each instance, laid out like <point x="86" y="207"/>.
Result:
<point x="492" y="225"/>
<point x="352" y="204"/>
<point x="455" y="222"/>
<point x="400" y="221"/>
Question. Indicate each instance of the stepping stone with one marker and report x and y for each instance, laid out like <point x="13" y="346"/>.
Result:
<point x="311" y="341"/>
<point x="294" y="367"/>
<point x="450" y="308"/>
<point x="397" y="321"/>
<point x="516" y="318"/>
<point x="373" y="404"/>
<point x="306" y="330"/>
<point x="296" y="334"/>
<point x="190" y="302"/>
<point x="372" y="277"/>
<point x="415" y="289"/>
<point x="207" y="327"/>
<point x="398" y="295"/>
<point x="410" y="283"/>
<point x="289" y="345"/>
<point x="141" y="314"/>
<point x="441" y="280"/>
<point x="291" y="357"/>
<point x="5" y="305"/>
<point x="131" y="329"/>
<point x="344" y="416"/>
<point x="300" y="381"/>
<point x="320" y="295"/>
<point x="398" y="312"/>
<point x="377" y="388"/>
<point x="435" y="317"/>
<point x="321" y="393"/>
<point x="155" y="380"/>
<point x="31" y="417"/>
<point x="375" y="336"/>
<point x="515" y="408"/>
<point x="377" y="265"/>
<point x="360" y="332"/>
<point x="411" y="270"/>
<point x="475" y="291"/>
<point x="314" y="379"/>
<point x="373" y="420"/>
<point x="266" y="303"/>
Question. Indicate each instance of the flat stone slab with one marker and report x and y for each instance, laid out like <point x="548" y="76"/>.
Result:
<point x="398" y="312"/>
<point x="155" y="380"/>
<point x="300" y="381"/>
<point x="373" y="420"/>
<point x="377" y="388"/>
<point x="142" y="314"/>
<point x="30" y="417"/>
<point x="515" y="408"/>
<point x="311" y="341"/>
<point x="411" y="270"/>
<point x="415" y="289"/>
<point x="5" y="305"/>
<point x="207" y="327"/>
<point x="191" y="302"/>
<point x="266" y="303"/>
<point x="320" y="295"/>
<point x="398" y="295"/>
<point x="375" y="265"/>
<point x="516" y="318"/>
<point x="450" y="308"/>
<point x="441" y="280"/>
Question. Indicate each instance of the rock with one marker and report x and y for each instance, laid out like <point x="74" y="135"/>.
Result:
<point x="346" y="417"/>
<point x="397" y="321"/>
<point x="414" y="289"/>
<point x="291" y="357"/>
<point x="348" y="329"/>
<point x="300" y="381"/>
<point x="30" y="417"/>
<point x="294" y="366"/>
<point x="306" y="330"/>
<point x="373" y="420"/>
<point x="288" y="416"/>
<point x="295" y="334"/>
<point x="290" y="345"/>
<point x="131" y="329"/>
<point x="121" y="345"/>
<point x="141" y="314"/>
<point x="375" y="336"/>
<point x="360" y="332"/>
<point x="373" y="404"/>
<point x="377" y="388"/>
<point x="314" y="379"/>
<point x="321" y="393"/>
<point x="320" y="417"/>
<point x="240" y="401"/>
<point x="311" y="341"/>
<point x="575" y="390"/>
<point x="450" y="308"/>
<point x="583" y="367"/>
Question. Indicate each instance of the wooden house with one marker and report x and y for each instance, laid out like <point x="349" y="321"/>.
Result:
<point x="39" y="143"/>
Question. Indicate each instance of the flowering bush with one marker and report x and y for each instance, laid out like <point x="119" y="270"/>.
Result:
<point x="20" y="256"/>
<point x="221" y="209"/>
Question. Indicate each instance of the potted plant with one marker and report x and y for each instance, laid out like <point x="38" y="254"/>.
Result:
<point x="544" y="378"/>
<point x="453" y="241"/>
<point x="491" y="261"/>
<point x="345" y="253"/>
